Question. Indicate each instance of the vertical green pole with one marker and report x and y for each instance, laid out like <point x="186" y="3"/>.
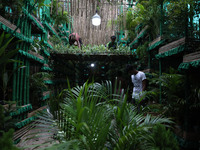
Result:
<point x="72" y="25"/>
<point x="149" y="60"/>
<point x="28" y="69"/>
<point x="14" y="81"/>
<point x="17" y="91"/>
<point x="15" y="85"/>
<point x="21" y="84"/>
<point x="25" y="83"/>
<point x="20" y="71"/>
<point x="28" y="77"/>
<point x="187" y="86"/>
<point x="161" y="20"/>
<point x="160" y="74"/>
<point x="121" y="27"/>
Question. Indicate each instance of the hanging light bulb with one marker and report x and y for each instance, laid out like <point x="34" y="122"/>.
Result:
<point x="96" y="20"/>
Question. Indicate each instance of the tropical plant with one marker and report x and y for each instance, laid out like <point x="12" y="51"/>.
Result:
<point x="15" y="6"/>
<point x="90" y="50"/>
<point x="6" y="57"/>
<point x="6" y="133"/>
<point x="142" y="53"/>
<point x="37" y="46"/>
<point x="163" y="138"/>
<point x="6" y="141"/>
<point x="176" y="21"/>
<point x="59" y="15"/>
<point x="195" y="97"/>
<point x="97" y="116"/>
<point x="37" y="86"/>
<point x="145" y="13"/>
<point x="173" y="93"/>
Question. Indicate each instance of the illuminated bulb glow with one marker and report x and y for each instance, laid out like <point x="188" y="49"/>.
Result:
<point x="92" y="65"/>
<point x="96" y="20"/>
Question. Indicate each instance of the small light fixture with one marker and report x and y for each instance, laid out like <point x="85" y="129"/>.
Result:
<point x="92" y="65"/>
<point x="96" y="20"/>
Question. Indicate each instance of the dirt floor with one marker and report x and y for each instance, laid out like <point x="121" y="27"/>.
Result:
<point x="36" y="139"/>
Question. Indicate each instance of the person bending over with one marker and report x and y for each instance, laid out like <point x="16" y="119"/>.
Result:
<point x="74" y="39"/>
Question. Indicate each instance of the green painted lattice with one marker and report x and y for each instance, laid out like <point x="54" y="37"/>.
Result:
<point x="156" y="45"/>
<point x="187" y="65"/>
<point x="15" y="34"/>
<point x="171" y="52"/>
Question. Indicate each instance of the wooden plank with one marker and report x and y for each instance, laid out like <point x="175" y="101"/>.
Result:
<point x="155" y="41"/>
<point x="21" y="132"/>
<point x="9" y="24"/>
<point x="172" y="45"/>
<point x="36" y="54"/>
<point x="191" y="57"/>
<point x="46" y="93"/>
<point x="36" y="111"/>
<point x="145" y="28"/>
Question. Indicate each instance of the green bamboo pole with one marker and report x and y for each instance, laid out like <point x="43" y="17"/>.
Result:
<point x="17" y="88"/>
<point x="121" y="22"/>
<point x="149" y="60"/>
<point x="187" y="94"/>
<point x="22" y="70"/>
<point x="14" y="80"/>
<point x="28" y="75"/>
<point x="160" y="74"/>
<point x="14" y="96"/>
<point x="25" y="84"/>
<point x="21" y="84"/>
<point x="161" y="20"/>
<point x="28" y="69"/>
<point x="19" y="76"/>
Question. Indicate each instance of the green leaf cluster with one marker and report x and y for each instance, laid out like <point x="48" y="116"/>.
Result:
<point x="163" y="138"/>
<point x="6" y="57"/>
<point x="6" y="142"/>
<point x="58" y="14"/>
<point x="97" y="116"/>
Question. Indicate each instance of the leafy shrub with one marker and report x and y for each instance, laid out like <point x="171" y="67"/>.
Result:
<point x="163" y="139"/>
<point x="96" y="116"/>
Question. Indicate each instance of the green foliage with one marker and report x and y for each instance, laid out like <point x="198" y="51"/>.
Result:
<point x="173" y="17"/>
<point x="163" y="139"/>
<point x="55" y="40"/>
<point x="172" y="97"/>
<point x="37" y="46"/>
<point x="90" y="50"/>
<point x="6" y="133"/>
<point x="7" y="52"/>
<point x="145" y="13"/>
<point x="6" y="142"/>
<point x="195" y="97"/>
<point x="37" y="86"/>
<point x="142" y="53"/>
<point x="176" y="18"/>
<point x="39" y="3"/>
<point x="6" y="121"/>
<point x="58" y="14"/>
<point x="15" y="6"/>
<point x="97" y="116"/>
<point x="156" y="108"/>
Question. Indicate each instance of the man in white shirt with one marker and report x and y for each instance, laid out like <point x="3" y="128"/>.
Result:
<point x="138" y="79"/>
